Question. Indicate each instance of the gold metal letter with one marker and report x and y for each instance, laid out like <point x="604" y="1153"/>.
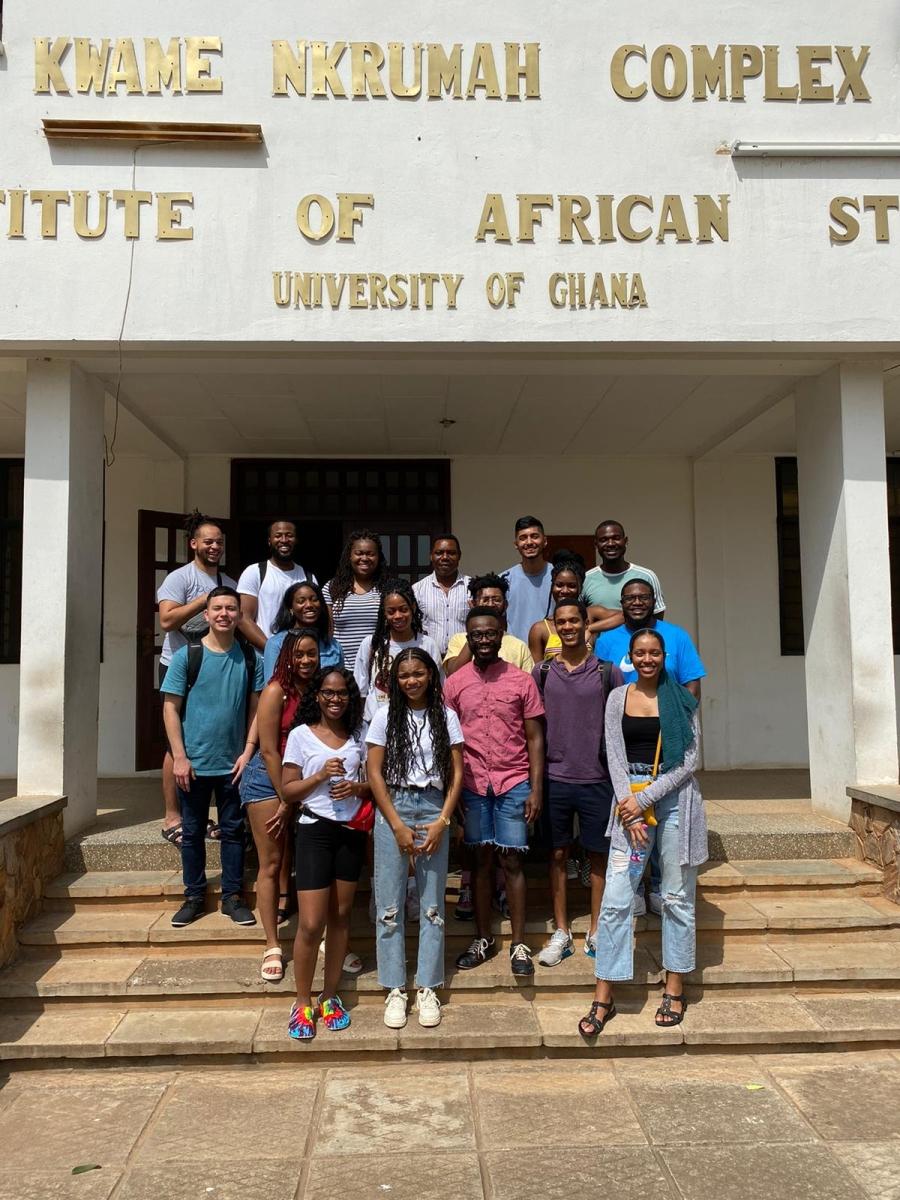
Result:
<point x="366" y="61"/>
<point x="123" y="68"/>
<point x="516" y="69"/>
<point x="326" y="222"/>
<point x="279" y="279"/>
<point x="90" y="65"/>
<point x="774" y="90"/>
<point x="841" y="216"/>
<point x="529" y="213"/>
<point x="880" y="206"/>
<point x="198" y="70"/>
<point x="48" y="202"/>
<point x="746" y="63"/>
<point x="286" y="69"/>
<point x="350" y="215"/>
<point x="168" y="217"/>
<point x="673" y="220"/>
<point x="623" y="218"/>
<point x="570" y="219"/>
<point x="16" y="213"/>
<point x="709" y="72"/>
<point x="132" y="202"/>
<point x="324" y="68"/>
<point x="444" y="72"/>
<point x="395" y="70"/>
<point x="712" y="216"/>
<point x="47" y="66"/>
<point x="162" y="70"/>
<point x="80" y="214"/>
<point x="811" y="86"/>
<point x="556" y="282"/>
<point x="483" y="73"/>
<point x="663" y="55"/>
<point x="853" y="66"/>
<point x="493" y="219"/>
<point x="620" y="84"/>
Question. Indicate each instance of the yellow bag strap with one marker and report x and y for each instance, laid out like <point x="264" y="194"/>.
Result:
<point x="656" y="756"/>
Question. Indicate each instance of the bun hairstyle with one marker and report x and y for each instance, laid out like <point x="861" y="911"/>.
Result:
<point x="195" y="520"/>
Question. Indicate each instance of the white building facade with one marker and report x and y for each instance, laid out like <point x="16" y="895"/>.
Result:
<point x="610" y="263"/>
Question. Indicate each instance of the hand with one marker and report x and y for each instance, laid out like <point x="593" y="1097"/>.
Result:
<point x="240" y="765"/>
<point x="184" y="772"/>
<point x="637" y="834"/>
<point x="334" y="766"/>
<point x="430" y="836"/>
<point x="629" y="809"/>
<point x="533" y="807"/>
<point x="276" y="824"/>
<point x="341" y="789"/>
<point x="406" y="840"/>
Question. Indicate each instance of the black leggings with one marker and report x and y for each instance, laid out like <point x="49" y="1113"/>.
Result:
<point x="325" y="851"/>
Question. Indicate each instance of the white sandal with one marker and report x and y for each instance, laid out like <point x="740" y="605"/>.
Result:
<point x="271" y="971"/>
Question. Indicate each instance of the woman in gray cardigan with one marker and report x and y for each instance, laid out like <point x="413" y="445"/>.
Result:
<point x="652" y="743"/>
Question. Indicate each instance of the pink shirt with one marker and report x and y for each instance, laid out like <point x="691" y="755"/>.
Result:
<point x="492" y="707"/>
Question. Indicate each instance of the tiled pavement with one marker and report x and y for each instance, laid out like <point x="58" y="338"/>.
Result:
<point x="717" y="1127"/>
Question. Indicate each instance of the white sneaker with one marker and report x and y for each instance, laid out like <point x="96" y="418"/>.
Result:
<point x="428" y="1007"/>
<point x="656" y="903"/>
<point x="395" y="1009"/>
<point x="640" y="904"/>
<point x="559" y="947"/>
<point x="412" y="900"/>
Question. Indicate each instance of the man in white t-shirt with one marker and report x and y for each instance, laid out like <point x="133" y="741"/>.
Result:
<point x="262" y="585"/>
<point x="182" y="602"/>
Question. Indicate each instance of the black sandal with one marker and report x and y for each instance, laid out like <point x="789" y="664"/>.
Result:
<point x="173" y="835"/>
<point x="285" y="913"/>
<point x="665" y="1011"/>
<point x="591" y="1025"/>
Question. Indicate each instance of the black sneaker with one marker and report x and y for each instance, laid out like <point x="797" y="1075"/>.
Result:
<point x="193" y="908"/>
<point x="478" y="952"/>
<point x="234" y="907"/>
<point x="520" y="959"/>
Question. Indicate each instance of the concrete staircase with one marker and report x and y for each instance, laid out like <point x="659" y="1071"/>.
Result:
<point x="792" y="950"/>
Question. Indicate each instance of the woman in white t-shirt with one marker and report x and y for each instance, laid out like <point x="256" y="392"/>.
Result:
<point x="399" y="627"/>
<point x="323" y="762"/>
<point x="415" y="769"/>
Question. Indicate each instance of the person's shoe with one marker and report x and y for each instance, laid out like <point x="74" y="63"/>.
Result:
<point x="590" y="944"/>
<point x="520" y="959"/>
<point x="559" y="947"/>
<point x="412" y="900"/>
<point x="333" y="1013"/>
<point x="395" y="1008"/>
<point x="428" y="1007"/>
<point x="479" y="951"/>
<point x="656" y="903"/>
<point x="465" y="909"/>
<point x="234" y="907"/>
<point x="301" y="1024"/>
<point x="640" y="904"/>
<point x="193" y="908"/>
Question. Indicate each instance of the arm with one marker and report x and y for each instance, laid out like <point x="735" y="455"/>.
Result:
<point x="295" y="788"/>
<point x="184" y="772"/>
<point x="452" y="664"/>
<point x="268" y="724"/>
<point x="537" y="640"/>
<point x="248" y="625"/>
<point x="240" y="763"/>
<point x="534" y="736"/>
<point x="172" y="616"/>
<point x="406" y="838"/>
<point x="693" y="686"/>
<point x="441" y="826"/>
<point x="600" y="619"/>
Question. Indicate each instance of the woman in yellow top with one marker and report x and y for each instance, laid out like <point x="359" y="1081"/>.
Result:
<point x="566" y="582"/>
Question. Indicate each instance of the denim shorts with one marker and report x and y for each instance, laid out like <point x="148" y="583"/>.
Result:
<point x="497" y="820"/>
<point x="255" y="783"/>
<point x="591" y="801"/>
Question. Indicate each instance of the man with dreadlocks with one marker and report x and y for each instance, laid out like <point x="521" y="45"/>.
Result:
<point x="415" y="772"/>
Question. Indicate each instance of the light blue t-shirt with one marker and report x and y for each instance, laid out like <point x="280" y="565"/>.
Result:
<point x="682" y="660"/>
<point x="330" y="653"/>
<point x="528" y="598"/>
<point x="213" y="718"/>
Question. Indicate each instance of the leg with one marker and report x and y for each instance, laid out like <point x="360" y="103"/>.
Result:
<point x="615" y="933"/>
<point x="340" y="906"/>
<point x="558" y="886"/>
<point x="195" y="814"/>
<point x="269" y="851"/>
<point x="285" y="891"/>
<point x="558" y="824"/>
<point x="594" y="802"/>
<point x="313" y="913"/>
<point x="598" y="864"/>
<point x="679" y="889"/>
<point x="515" y="892"/>
<point x="431" y="880"/>
<point x="231" y="838"/>
<point x="511" y="837"/>
<point x="172" y="817"/>
<point x="391" y="869"/>
<point x="482" y="887"/>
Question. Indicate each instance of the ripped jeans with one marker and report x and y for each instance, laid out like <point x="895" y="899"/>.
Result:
<point x="415" y="806"/>
<point x="615" y="937"/>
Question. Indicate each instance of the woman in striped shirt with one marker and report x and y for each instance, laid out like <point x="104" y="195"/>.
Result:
<point x="354" y="594"/>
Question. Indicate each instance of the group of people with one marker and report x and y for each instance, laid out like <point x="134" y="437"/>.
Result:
<point x="357" y="721"/>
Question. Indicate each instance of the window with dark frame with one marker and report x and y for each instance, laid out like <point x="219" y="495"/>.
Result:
<point x="790" y="596"/>
<point x="12" y="486"/>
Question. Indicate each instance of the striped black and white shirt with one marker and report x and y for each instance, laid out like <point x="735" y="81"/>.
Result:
<point x="354" y="619"/>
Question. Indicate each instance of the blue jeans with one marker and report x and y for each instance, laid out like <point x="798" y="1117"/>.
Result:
<point x="615" y="937"/>
<point x="415" y="806"/>
<point x="194" y="816"/>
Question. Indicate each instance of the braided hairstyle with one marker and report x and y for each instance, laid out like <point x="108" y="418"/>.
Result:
<point x="283" y="673"/>
<point x="401" y="750"/>
<point x="286" y="619"/>
<point x="309" y="713"/>
<point x="565" y="560"/>
<point x="341" y="585"/>
<point x="380" y="654"/>
<point x="196" y="520"/>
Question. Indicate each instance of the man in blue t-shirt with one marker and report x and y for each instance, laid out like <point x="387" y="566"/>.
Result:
<point x="207" y="720"/>
<point x="529" y="582"/>
<point x="682" y="660"/>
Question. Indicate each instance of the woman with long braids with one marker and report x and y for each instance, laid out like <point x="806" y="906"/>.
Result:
<point x="399" y="627"/>
<point x="566" y="581"/>
<point x="323" y="761"/>
<point x="353" y="595"/>
<point x="261" y="786"/>
<point x="303" y="608"/>
<point x="415" y="772"/>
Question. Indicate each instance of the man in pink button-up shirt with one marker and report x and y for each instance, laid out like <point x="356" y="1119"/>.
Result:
<point x="499" y="708"/>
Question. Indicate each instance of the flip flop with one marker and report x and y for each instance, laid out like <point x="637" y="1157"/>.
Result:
<point x="173" y="834"/>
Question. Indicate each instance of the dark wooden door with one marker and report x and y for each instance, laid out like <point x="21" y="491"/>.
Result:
<point x="162" y="547"/>
<point x="580" y="543"/>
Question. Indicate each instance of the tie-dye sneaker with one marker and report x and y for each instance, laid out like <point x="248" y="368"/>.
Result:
<point x="333" y="1013"/>
<point x="301" y="1025"/>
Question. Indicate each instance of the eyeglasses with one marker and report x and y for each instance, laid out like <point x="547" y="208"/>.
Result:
<point x="484" y="635"/>
<point x="328" y="694"/>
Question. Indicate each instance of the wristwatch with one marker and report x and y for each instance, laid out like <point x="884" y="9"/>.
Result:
<point x="446" y="820"/>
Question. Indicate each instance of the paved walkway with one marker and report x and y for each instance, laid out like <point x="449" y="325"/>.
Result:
<point x="816" y="1126"/>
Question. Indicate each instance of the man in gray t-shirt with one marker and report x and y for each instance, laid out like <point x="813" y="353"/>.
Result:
<point x="182" y="602"/>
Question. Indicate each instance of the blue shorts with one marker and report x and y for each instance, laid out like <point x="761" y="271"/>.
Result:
<point x="255" y="783"/>
<point x="591" y="801"/>
<point x="497" y="820"/>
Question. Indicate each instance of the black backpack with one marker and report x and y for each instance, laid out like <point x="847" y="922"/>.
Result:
<point x="605" y="671"/>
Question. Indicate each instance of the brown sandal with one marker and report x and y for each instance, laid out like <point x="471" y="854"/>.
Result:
<point x="590" y="1025"/>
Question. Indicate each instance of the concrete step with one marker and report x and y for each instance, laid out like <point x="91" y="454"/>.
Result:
<point x="145" y="976"/>
<point x="511" y="1025"/>
<point x="140" y="924"/>
<point x="743" y="877"/>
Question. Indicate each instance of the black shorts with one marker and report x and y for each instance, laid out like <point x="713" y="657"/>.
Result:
<point x="592" y="802"/>
<point x="325" y="851"/>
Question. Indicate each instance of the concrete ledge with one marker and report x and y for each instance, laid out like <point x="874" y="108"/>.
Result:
<point x="885" y="795"/>
<point x="19" y="811"/>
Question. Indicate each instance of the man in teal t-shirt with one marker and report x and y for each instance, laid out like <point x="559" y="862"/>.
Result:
<point x="603" y="585"/>
<point x="207" y="725"/>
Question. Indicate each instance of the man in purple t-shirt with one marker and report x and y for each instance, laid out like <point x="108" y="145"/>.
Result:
<point x="574" y="687"/>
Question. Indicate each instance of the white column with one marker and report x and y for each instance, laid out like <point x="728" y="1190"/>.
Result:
<point x="61" y="588"/>
<point x="851" y="708"/>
